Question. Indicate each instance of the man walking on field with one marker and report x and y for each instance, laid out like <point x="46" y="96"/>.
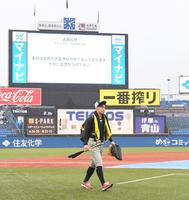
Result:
<point x="96" y="130"/>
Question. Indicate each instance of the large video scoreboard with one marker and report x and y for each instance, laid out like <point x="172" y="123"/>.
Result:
<point x="71" y="62"/>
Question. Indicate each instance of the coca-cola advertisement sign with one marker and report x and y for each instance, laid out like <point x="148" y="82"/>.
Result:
<point x="20" y="96"/>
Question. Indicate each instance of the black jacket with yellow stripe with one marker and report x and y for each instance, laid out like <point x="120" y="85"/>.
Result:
<point x="96" y="128"/>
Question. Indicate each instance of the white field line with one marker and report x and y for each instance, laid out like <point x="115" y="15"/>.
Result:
<point x="181" y="174"/>
<point x="144" y="179"/>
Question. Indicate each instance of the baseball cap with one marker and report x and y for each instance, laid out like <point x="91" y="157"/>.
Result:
<point x="100" y="103"/>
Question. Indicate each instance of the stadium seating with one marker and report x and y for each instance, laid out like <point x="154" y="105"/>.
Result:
<point x="177" y="122"/>
<point x="179" y="132"/>
<point x="178" y="125"/>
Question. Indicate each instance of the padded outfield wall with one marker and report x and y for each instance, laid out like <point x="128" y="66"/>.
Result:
<point x="63" y="142"/>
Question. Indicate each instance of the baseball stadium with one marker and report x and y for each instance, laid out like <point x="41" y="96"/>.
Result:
<point x="61" y="77"/>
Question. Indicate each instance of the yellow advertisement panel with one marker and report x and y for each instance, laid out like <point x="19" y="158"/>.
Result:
<point x="136" y="97"/>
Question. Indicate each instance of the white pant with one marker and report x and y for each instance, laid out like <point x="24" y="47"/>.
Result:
<point x="95" y="153"/>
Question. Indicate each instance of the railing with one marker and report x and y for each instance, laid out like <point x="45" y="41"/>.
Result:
<point x="175" y="131"/>
<point x="12" y="132"/>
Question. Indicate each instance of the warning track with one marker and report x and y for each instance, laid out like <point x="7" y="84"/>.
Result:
<point x="83" y="160"/>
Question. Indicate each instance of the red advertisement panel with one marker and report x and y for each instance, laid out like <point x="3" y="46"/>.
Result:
<point x="20" y="96"/>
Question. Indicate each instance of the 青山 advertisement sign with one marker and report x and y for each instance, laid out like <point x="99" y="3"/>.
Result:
<point x="149" y="124"/>
<point x="70" y="120"/>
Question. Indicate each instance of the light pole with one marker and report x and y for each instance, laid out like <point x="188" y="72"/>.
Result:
<point x="168" y="89"/>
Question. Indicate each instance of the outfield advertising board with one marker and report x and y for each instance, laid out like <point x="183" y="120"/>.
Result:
<point x="72" y="141"/>
<point x="70" y="120"/>
<point x="41" y="121"/>
<point x="27" y="120"/>
<point x="20" y="96"/>
<point x="136" y="97"/>
<point x="149" y="124"/>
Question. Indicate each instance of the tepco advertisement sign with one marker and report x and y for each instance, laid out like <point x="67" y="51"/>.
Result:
<point x="70" y="120"/>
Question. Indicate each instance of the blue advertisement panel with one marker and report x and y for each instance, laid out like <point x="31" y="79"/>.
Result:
<point x="64" y="142"/>
<point x="149" y="124"/>
<point x="19" y="57"/>
<point x="11" y="122"/>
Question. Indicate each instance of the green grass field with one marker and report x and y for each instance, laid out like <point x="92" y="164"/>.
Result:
<point x="64" y="184"/>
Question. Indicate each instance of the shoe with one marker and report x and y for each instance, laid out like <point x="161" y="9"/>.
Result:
<point x="86" y="185"/>
<point x="106" y="186"/>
